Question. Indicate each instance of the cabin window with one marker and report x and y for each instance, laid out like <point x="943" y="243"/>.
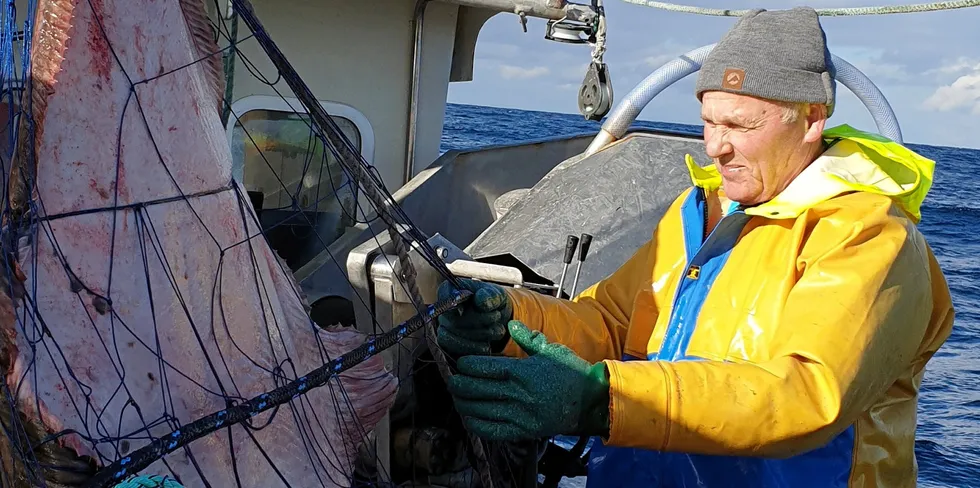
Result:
<point x="282" y="159"/>
<point x="277" y="158"/>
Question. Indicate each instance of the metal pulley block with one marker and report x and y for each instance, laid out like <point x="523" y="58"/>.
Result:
<point x="569" y="31"/>
<point x="595" y="97"/>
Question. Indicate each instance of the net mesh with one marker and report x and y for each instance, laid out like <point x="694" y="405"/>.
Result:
<point x="149" y="324"/>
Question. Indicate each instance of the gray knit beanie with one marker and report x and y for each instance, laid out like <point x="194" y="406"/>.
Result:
<point x="780" y="55"/>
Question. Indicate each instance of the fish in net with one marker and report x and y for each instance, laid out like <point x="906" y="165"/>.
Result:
<point x="146" y="325"/>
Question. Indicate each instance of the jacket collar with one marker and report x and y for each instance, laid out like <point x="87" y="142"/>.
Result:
<point x="855" y="161"/>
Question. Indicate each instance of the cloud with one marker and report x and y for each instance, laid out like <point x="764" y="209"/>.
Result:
<point x="509" y="72"/>
<point x="874" y="64"/>
<point x="573" y="72"/>
<point x="962" y="93"/>
<point x="659" y="60"/>
<point x="490" y="50"/>
<point x="648" y="57"/>
<point x="955" y="67"/>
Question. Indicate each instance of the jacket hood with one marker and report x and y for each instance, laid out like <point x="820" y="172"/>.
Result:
<point x="855" y="161"/>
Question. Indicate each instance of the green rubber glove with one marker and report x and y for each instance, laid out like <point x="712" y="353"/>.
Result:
<point x="552" y="392"/>
<point x="479" y="327"/>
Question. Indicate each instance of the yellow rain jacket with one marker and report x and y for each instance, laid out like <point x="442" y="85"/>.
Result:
<point x="784" y="349"/>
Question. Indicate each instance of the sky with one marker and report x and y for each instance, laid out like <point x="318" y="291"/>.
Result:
<point x="926" y="64"/>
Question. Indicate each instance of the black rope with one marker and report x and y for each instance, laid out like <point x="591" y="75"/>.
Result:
<point x="133" y="206"/>
<point x="374" y="189"/>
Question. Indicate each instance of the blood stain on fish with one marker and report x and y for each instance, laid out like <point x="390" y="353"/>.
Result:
<point x="98" y="43"/>
<point x="98" y="189"/>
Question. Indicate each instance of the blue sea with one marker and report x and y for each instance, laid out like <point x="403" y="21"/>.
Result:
<point x="948" y="439"/>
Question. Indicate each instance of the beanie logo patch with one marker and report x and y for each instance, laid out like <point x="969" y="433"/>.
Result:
<point x="733" y="78"/>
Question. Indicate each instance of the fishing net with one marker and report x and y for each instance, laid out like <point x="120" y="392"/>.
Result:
<point x="150" y="324"/>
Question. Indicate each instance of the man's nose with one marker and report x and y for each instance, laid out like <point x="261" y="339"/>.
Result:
<point x="716" y="144"/>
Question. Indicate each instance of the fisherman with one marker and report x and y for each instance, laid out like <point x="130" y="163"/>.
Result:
<point x="774" y="330"/>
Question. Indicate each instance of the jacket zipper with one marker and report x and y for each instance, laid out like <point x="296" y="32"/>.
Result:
<point x="693" y="272"/>
<point x="704" y="219"/>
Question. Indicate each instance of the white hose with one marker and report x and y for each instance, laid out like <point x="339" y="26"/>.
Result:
<point x="625" y="113"/>
<point x="831" y="12"/>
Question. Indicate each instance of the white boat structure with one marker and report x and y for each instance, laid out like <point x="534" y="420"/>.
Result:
<point x="381" y="69"/>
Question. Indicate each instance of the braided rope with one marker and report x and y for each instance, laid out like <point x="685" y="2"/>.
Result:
<point x="236" y="414"/>
<point x="825" y="12"/>
<point x="149" y="482"/>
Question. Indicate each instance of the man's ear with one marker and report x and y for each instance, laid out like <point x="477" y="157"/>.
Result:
<point x="816" y="120"/>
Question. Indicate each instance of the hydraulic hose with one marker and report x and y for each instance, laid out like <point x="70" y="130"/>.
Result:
<point x="626" y="112"/>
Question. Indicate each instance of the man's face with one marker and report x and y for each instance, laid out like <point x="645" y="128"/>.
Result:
<point x="757" y="153"/>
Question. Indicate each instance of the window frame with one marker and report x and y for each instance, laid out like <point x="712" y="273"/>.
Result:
<point x="292" y="105"/>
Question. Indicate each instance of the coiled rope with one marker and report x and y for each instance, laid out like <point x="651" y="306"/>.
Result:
<point x="824" y="12"/>
<point x="149" y="482"/>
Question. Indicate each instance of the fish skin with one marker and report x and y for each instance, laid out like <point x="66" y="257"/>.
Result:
<point x="127" y="220"/>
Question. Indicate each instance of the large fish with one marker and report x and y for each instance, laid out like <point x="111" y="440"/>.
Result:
<point x="144" y="296"/>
